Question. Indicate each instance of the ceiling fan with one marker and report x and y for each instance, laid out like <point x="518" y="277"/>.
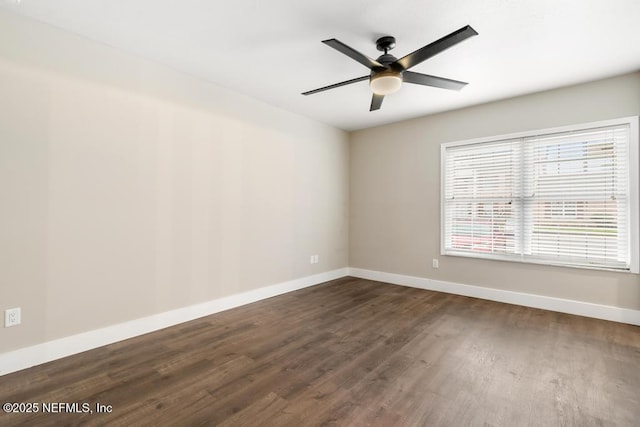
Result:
<point x="388" y="72"/>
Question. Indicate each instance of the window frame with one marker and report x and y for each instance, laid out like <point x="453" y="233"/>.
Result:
<point x="633" y="186"/>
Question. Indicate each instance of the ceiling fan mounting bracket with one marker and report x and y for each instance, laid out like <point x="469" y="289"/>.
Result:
<point x="386" y="43"/>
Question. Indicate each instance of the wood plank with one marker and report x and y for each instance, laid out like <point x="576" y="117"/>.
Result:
<point x="352" y="352"/>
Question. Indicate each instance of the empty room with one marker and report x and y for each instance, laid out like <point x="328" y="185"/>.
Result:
<point x="352" y="213"/>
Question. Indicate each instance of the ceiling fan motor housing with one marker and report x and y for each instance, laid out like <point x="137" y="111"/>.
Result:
<point x="387" y="59"/>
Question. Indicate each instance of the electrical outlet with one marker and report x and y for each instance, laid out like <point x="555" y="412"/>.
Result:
<point x="314" y="259"/>
<point x="12" y="317"/>
<point x="435" y="263"/>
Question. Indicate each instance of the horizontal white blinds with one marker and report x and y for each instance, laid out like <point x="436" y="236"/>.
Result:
<point x="481" y="183"/>
<point x="561" y="198"/>
<point x="577" y="189"/>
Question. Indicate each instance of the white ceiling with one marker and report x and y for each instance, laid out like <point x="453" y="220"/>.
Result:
<point x="271" y="50"/>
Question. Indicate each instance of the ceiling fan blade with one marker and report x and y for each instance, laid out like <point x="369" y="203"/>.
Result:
<point x="353" y="54"/>
<point x="333" y="86"/>
<point x="436" y="47"/>
<point x="427" y="80"/>
<point x="376" y="102"/>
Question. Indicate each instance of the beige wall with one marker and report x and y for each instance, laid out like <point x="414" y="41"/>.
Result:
<point x="128" y="189"/>
<point x="395" y="192"/>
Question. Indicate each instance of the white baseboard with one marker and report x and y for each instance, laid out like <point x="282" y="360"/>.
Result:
<point x="579" y="308"/>
<point x="67" y="346"/>
<point x="41" y="353"/>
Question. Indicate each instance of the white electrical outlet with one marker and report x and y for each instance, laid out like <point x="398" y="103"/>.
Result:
<point x="12" y="317"/>
<point x="435" y="263"/>
<point x="314" y="259"/>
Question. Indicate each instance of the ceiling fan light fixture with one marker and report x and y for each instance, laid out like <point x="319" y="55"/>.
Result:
<point x="385" y="82"/>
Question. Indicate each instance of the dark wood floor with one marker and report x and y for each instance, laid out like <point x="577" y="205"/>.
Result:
<point x="352" y="352"/>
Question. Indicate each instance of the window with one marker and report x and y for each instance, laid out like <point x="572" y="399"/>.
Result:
<point x="565" y="196"/>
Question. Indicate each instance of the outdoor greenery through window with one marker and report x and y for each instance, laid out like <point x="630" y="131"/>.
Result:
<point x="563" y="196"/>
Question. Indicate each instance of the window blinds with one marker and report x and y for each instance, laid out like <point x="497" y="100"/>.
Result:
<point x="557" y="198"/>
<point x="482" y="183"/>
